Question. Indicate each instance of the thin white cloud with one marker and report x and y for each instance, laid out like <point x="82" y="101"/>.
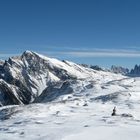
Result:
<point x="133" y="47"/>
<point x="97" y="53"/>
<point x="104" y="54"/>
<point x="6" y="55"/>
<point x="86" y="53"/>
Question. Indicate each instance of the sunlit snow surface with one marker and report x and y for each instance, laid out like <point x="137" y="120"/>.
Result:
<point x="72" y="117"/>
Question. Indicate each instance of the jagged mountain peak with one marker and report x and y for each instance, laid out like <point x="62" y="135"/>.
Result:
<point x="29" y="54"/>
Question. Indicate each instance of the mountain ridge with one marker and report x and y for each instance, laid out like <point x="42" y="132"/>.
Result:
<point x="24" y="78"/>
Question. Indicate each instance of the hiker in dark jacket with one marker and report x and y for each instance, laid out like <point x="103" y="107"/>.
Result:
<point x="114" y="112"/>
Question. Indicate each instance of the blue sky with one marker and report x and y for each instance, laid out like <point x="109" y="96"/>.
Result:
<point x="102" y="32"/>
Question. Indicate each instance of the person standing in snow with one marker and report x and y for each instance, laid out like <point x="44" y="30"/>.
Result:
<point x="114" y="112"/>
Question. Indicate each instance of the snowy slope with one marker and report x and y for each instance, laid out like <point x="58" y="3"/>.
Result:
<point x="78" y="118"/>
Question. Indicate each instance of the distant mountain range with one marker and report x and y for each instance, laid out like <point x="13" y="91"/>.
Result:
<point x="119" y="69"/>
<point x="135" y="72"/>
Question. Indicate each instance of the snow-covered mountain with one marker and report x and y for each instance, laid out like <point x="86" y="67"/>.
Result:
<point x="68" y="101"/>
<point x="32" y="77"/>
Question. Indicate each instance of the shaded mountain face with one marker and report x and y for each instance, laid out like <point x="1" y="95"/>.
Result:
<point x="24" y="78"/>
